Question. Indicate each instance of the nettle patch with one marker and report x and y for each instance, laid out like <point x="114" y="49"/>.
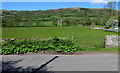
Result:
<point x="34" y="45"/>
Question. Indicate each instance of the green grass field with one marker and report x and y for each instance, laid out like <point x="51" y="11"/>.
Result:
<point x="84" y="37"/>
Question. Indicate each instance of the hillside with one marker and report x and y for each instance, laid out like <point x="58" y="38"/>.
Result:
<point x="51" y="17"/>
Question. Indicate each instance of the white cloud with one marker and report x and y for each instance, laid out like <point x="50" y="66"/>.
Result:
<point x="99" y="1"/>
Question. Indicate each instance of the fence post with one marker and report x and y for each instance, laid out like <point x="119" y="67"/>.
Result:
<point x="105" y="45"/>
<point x="72" y="39"/>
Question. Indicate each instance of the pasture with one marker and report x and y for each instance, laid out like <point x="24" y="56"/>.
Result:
<point x="90" y="40"/>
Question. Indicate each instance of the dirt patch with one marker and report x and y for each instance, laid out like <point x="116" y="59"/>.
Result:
<point x="74" y="53"/>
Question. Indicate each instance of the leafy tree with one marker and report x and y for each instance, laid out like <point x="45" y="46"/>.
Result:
<point x="119" y="21"/>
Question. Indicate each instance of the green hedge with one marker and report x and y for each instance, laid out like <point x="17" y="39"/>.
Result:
<point x="34" y="45"/>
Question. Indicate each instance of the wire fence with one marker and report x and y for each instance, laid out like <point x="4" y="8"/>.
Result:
<point x="82" y="42"/>
<point x="89" y="42"/>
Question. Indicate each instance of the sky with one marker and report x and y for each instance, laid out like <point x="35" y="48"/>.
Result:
<point x="33" y="5"/>
<point x="47" y="5"/>
<point x="95" y="1"/>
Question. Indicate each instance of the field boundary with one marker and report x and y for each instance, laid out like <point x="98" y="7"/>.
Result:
<point x="75" y="53"/>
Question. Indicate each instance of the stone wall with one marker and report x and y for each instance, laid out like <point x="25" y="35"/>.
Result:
<point x="112" y="41"/>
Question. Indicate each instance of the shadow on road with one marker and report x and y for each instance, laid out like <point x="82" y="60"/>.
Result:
<point x="43" y="68"/>
<point x="10" y="67"/>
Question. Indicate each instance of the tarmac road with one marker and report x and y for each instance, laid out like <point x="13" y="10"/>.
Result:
<point x="98" y="62"/>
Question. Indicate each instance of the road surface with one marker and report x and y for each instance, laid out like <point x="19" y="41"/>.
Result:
<point x="97" y="62"/>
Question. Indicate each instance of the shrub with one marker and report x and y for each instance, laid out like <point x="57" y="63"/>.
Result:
<point x="34" y="45"/>
<point x="106" y="27"/>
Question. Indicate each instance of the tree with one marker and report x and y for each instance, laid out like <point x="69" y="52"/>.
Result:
<point x="119" y="21"/>
<point x="111" y="5"/>
<point x="60" y="22"/>
<point x="113" y="21"/>
<point x="87" y="20"/>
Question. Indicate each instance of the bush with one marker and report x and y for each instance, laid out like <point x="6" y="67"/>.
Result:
<point x="35" y="45"/>
<point x="106" y="27"/>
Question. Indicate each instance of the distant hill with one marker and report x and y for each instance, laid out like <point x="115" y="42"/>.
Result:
<point x="69" y="16"/>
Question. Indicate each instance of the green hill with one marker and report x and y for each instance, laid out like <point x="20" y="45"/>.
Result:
<point x="69" y="17"/>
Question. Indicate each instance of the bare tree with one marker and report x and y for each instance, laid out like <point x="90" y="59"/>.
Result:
<point x="111" y="5"/>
